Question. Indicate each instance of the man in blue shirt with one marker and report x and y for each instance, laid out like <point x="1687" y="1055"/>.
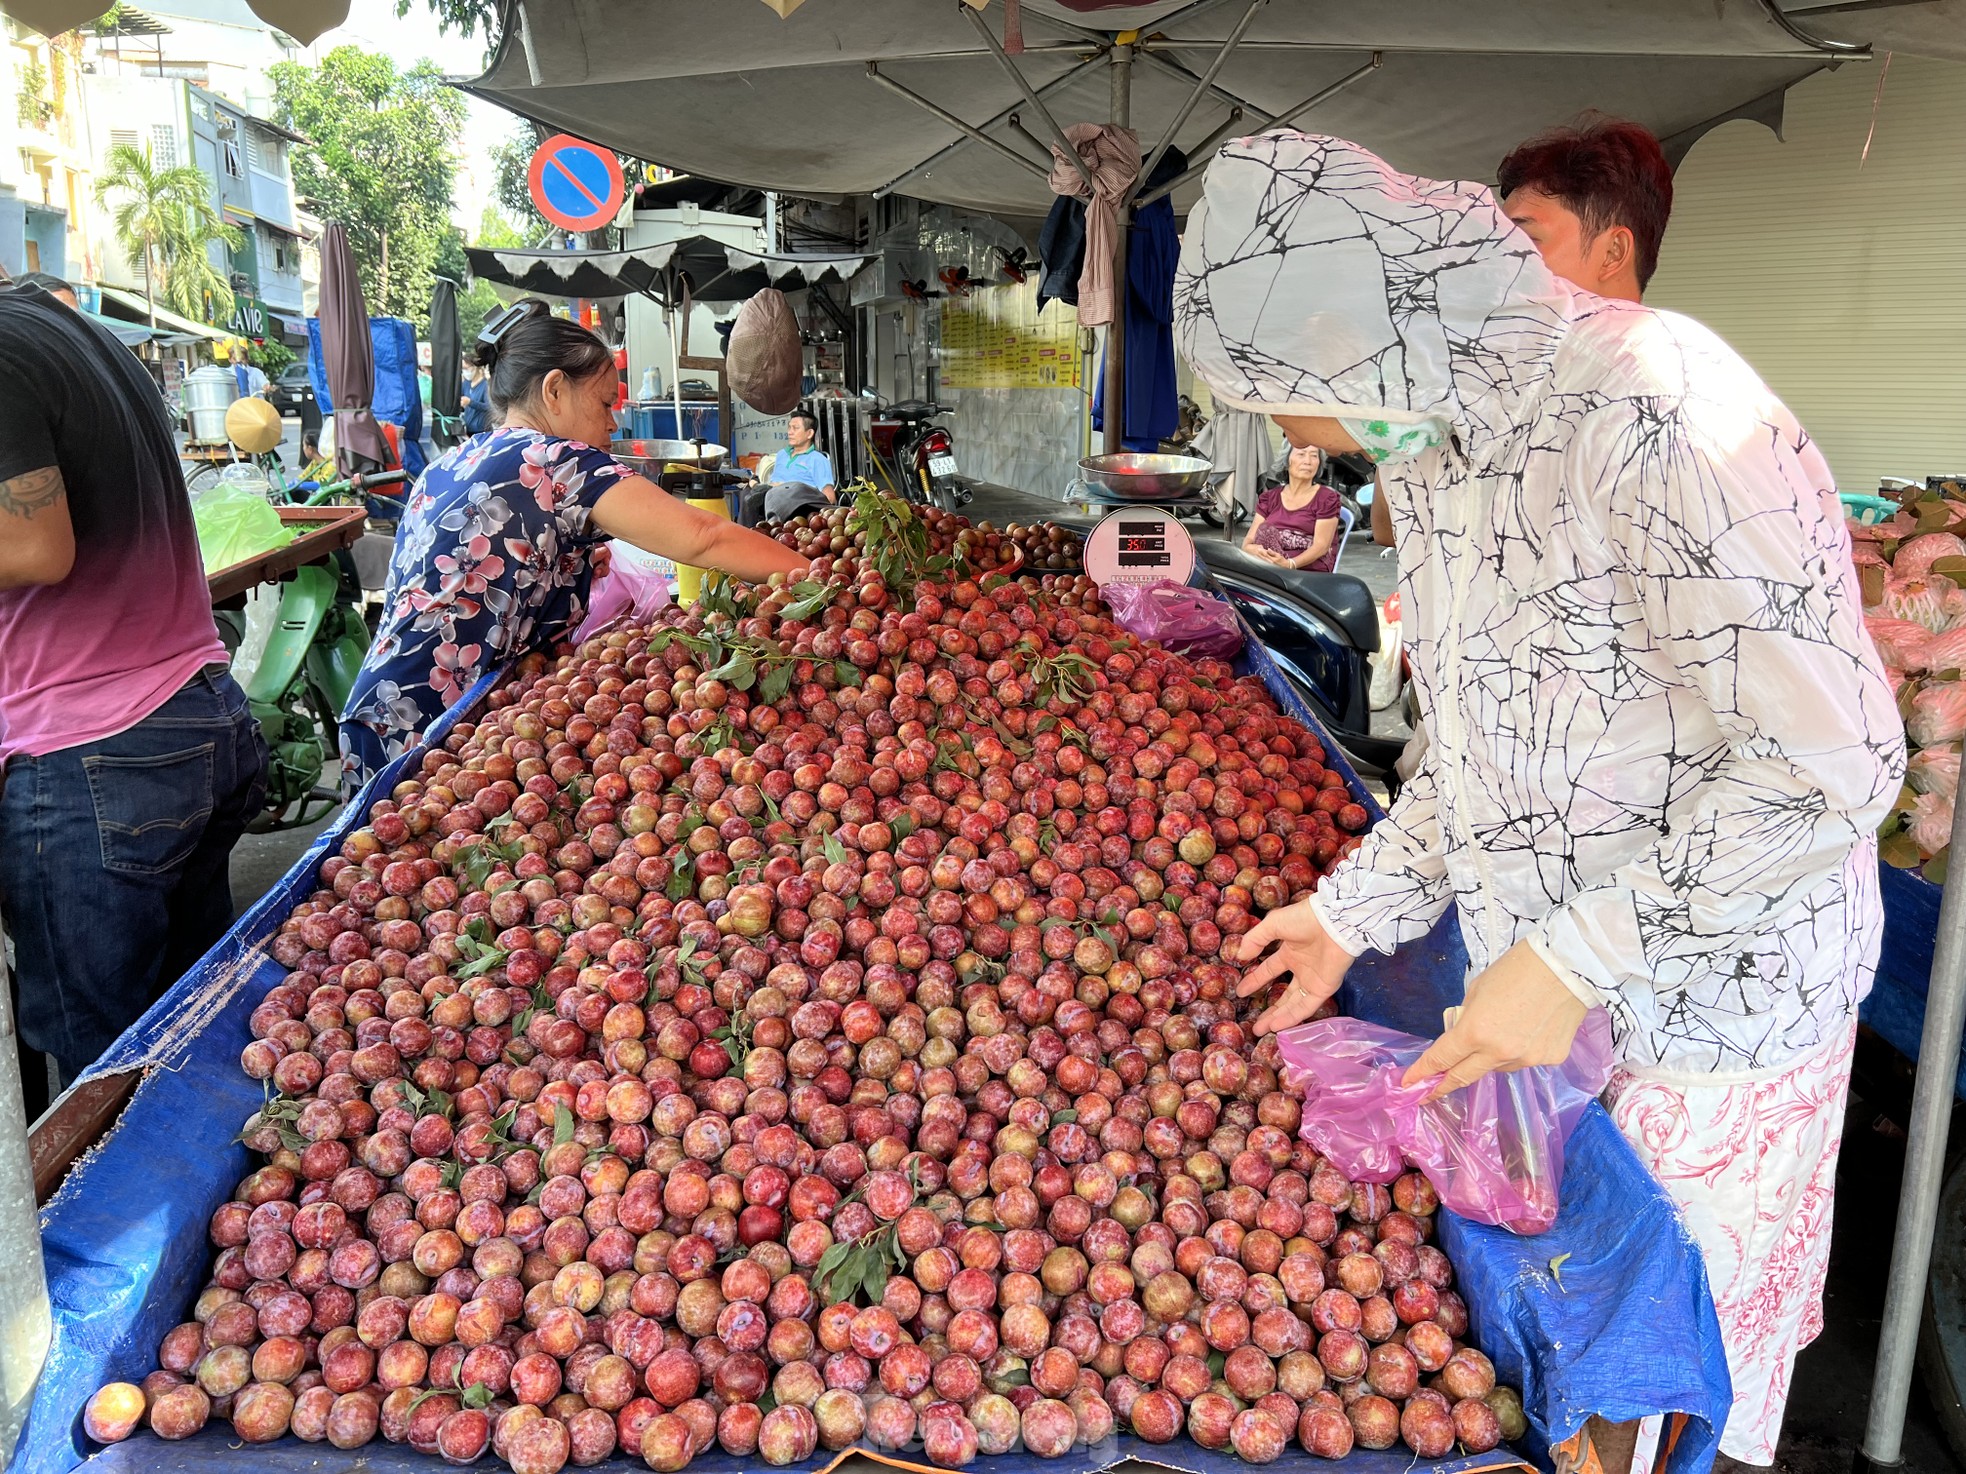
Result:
<point x="796" y="468"/>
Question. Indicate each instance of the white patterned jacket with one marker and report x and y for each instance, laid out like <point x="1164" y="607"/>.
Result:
<point x="1661" y="741"/>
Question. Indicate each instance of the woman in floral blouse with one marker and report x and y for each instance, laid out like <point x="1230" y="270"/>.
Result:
<point x="496" y="550"/>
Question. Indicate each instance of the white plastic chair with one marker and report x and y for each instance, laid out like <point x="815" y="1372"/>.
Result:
<point x="1345" y="520"/>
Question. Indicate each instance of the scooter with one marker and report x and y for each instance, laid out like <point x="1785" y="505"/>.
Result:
<point x="308" y="667"/>
<point x="919" y="454"/>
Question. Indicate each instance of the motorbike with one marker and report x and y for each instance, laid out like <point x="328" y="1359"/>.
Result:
<point x="304" y="673"/>
<point x="919" y="454"/>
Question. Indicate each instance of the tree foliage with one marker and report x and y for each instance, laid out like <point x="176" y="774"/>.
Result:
<point x="380" y="162"/>
<point x="481" y="299"/>
<point x="164" y="220"/>
<point x="462" y="16"/>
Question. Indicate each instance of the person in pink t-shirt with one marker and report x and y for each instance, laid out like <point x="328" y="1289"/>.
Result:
<point x="129" y="760"/>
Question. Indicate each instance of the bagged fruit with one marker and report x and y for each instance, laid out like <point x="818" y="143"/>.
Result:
<point x="1944" y="652"/>
<point x="1920" y="601"/>
<point x="1938" y="714"/>
<point x="1899" y="642"/>
<point x="1493" y="1151"/>
<point x="1930" y="822"/>
<point x="1915" y="558"/>
<point x="1935" y="770"/>
<point x="1181" y="618"/>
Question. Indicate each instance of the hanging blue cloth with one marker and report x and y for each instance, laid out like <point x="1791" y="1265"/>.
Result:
<point x="1153" y="407"/>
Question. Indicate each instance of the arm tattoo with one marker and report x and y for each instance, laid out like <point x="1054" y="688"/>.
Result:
<point x="23" y="496"/>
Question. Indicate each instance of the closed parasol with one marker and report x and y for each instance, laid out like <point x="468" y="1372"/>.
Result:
<point x="349" y="359"/>
<point x="446" y="365"/>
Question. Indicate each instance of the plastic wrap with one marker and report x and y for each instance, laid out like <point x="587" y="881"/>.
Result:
<point x="1918" y="600"/>
<point x="1944" y="652"/>
<point x="636" y="585"/>
<point x="1935" y="770"/>
<point x="1181" y="618"/>
<point x="1493" y="1150"/>
<point x="1938" y="714"/>
<point x="1916" y="557"/>
<point x="236" y="522"/>
<point x="1900" y="643"/>
<point x="1929" y="824"/>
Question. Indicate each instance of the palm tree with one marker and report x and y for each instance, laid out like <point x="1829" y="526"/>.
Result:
<point x="189" y="276"/>
<point x="156" y="209"/>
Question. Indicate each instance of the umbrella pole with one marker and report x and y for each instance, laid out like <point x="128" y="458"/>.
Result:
<point x="1918" y="1199"/>
<point x="1121" y="75"/>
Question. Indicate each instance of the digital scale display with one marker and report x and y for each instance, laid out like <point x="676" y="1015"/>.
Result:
<point x="1143" y="545"/>
<point x="1139" y="546"/>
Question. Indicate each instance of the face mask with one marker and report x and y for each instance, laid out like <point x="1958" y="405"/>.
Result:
<point x="1388" y="440"/>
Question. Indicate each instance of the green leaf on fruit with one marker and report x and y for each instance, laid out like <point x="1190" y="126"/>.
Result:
<point x="766" y="1403"/>
<point x="1064" y="1117"/>
<point x="477" y="1395"/>
<point x="490" y="958"/>
<point x="848" y="672"/>
<point x="1216" y="1361"/>
<point x="776" y="683"/>
<point x="681" y="883"/>
<point x="562" y="1123"/>
<point x="771" y="808"/>
<point x="903" y="823"/>
<point x="808" y="597"/>
<point x="452" y="1175"/>
<point x="836" y="853"/>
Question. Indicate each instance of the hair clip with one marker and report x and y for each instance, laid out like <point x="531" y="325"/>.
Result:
<point x="499" y="324"/>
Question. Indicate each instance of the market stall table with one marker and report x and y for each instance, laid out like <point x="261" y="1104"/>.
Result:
<point x="1626" y="1328"/>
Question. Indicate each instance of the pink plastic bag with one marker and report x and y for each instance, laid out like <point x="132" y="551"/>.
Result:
<point x="1183" y="619"/>
<point x="632" y="591"/>
<point x="1493" y="1151"/>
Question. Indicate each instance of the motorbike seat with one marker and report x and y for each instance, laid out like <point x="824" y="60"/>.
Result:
<point x="913" y="409"/>
<point x="1339" y="597"/>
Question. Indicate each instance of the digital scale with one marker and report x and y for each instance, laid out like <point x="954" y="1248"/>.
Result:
<point x="1139" y="545"/>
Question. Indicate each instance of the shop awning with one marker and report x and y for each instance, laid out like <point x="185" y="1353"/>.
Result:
<point x="871" y="96"/>
<point x="714" y="272"/>
<point x="133" y="309"/>
<point x="129" y="334"/>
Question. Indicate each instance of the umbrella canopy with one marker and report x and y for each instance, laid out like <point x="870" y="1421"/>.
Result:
<point x="815" y="104"/>
<point x="349" y="358"/>
<point x="713" y="271"/>
<point x="446" y="363"/>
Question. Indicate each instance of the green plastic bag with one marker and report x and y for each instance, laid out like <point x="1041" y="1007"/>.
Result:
<point x="236" y="522"/>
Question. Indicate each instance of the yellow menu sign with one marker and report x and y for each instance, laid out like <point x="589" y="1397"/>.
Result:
<point x="995" y="338"/>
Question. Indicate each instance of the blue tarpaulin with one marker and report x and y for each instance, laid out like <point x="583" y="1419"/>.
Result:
<point x="1625" y="1328"/>
<point x="1896" y="1004"/>
<point x="397" y="399"/>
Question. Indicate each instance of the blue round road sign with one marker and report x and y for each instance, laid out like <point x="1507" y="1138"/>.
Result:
<point x="576" y="185"/>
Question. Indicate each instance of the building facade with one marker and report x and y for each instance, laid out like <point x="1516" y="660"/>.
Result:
<point x="45" y="156"/>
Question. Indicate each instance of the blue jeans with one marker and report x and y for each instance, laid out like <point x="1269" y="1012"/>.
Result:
<point x="113" y="862"/>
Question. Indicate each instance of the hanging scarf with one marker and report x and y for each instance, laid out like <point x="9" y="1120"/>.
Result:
<point x="1112" y="156"/>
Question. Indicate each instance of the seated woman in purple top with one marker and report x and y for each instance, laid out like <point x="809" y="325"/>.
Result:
<point x="1296" y="525"/>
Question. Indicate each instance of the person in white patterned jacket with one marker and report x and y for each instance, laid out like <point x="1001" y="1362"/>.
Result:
<point x="1662" y="741"/>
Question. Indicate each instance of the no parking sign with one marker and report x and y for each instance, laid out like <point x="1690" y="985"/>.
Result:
<point x="574" y="184"/>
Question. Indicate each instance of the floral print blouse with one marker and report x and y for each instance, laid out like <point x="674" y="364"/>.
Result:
<point x="493" y="556"/>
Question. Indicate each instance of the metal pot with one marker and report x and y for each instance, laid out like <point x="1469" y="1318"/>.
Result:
<point x="648" y="457"/>
<point x="1146" y="478"/>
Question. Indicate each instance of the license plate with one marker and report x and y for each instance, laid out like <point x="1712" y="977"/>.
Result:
<point x="941" y="465"/>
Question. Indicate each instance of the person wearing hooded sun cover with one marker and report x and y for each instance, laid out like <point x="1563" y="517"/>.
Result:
<point x="1662" y="740"/>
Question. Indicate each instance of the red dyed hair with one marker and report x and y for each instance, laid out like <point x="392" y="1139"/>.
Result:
<point x="1608" y="171"/>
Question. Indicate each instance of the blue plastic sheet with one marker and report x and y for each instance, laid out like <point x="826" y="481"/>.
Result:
<point x="396" y="399"/>
<point x="1896" y="1005"/>
<point x="1625" y="1327"/>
